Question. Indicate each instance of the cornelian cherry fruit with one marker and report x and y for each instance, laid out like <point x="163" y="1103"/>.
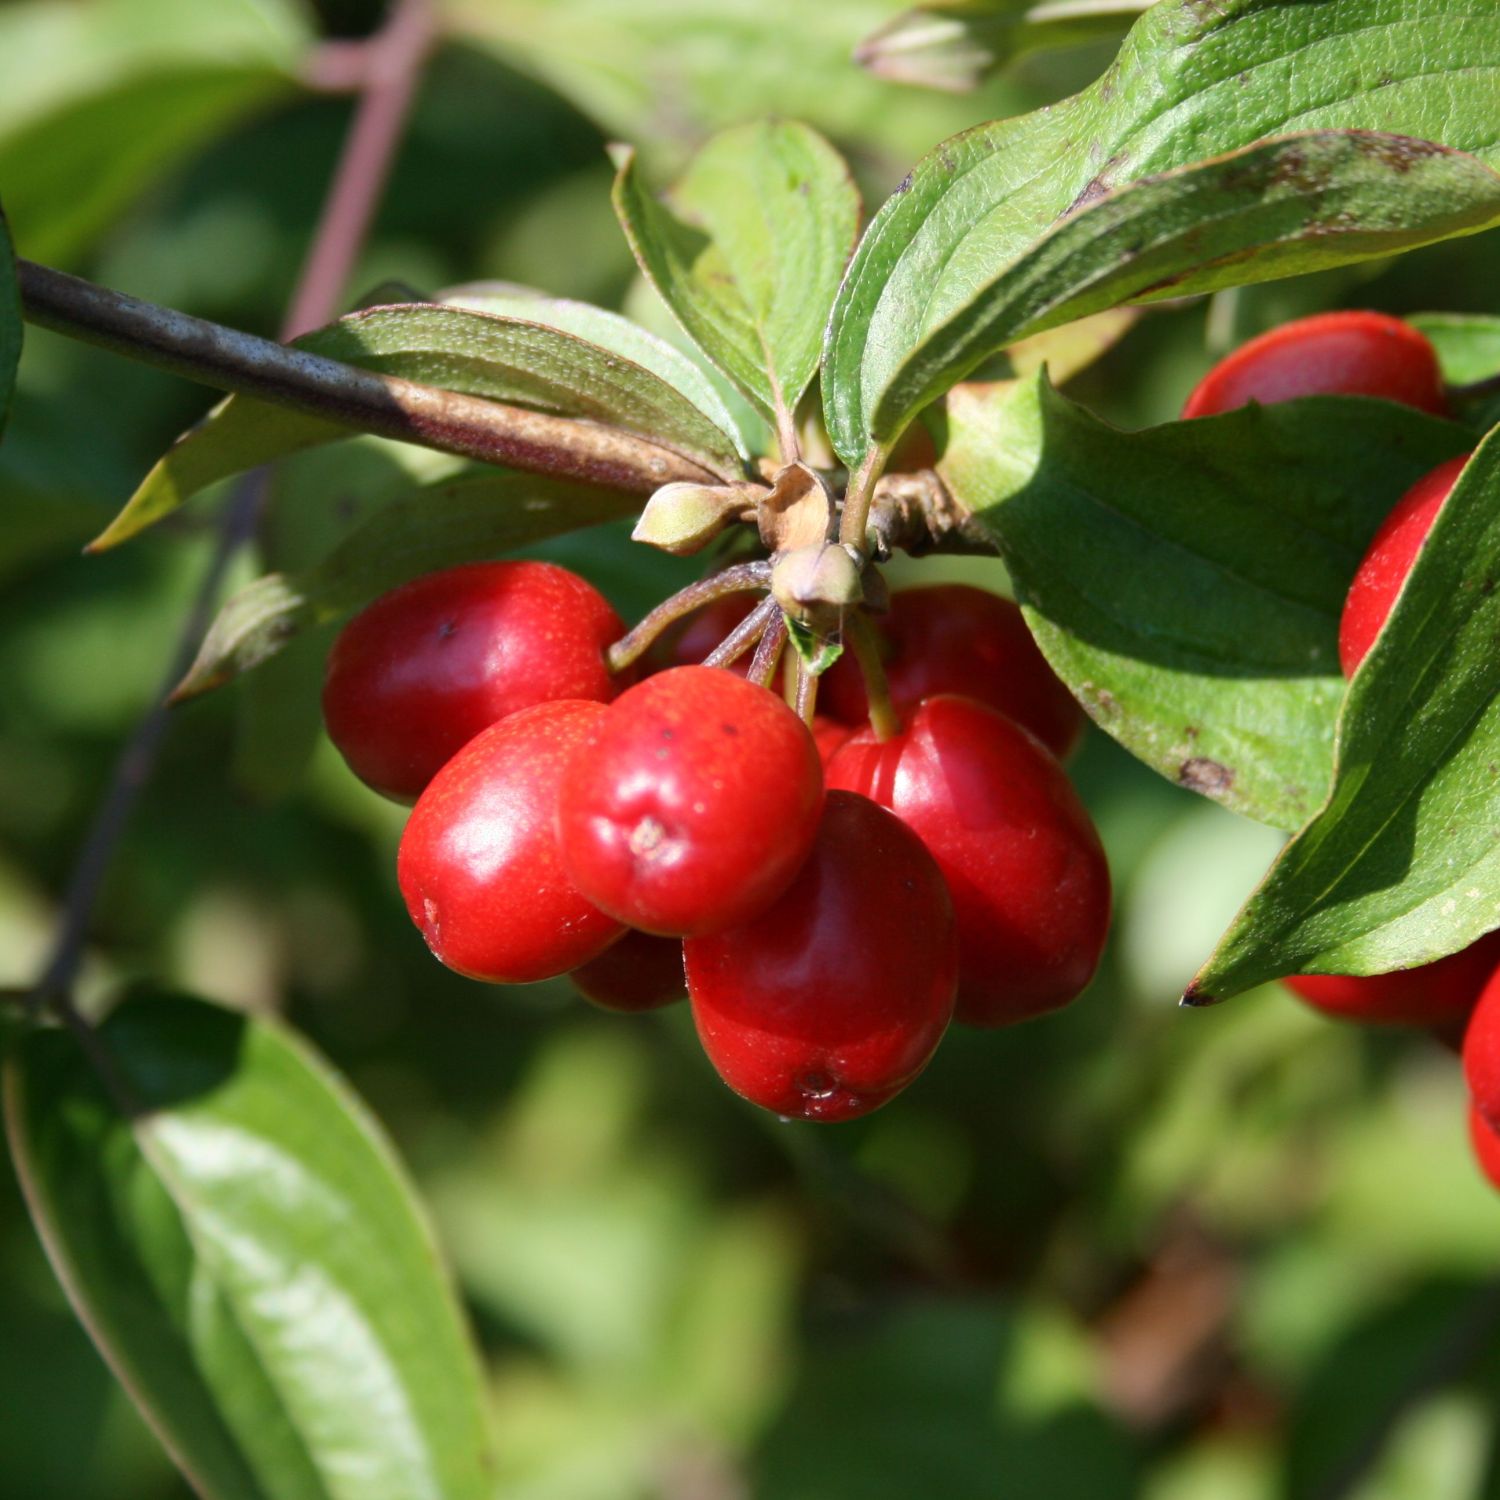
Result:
<point x="1384" y="567"/>
<point x="1486" y="1144"/>
<point x="1330" y="354"/>
<point x="692" y="804"/>
<point x="832" y="1000"/>
<point x="1482" y="1052"/>
<point x="478" y="864"/>
<point x="421" y="671"/>
<point x="954" y="638"/>
<point x="1020" y="853"/>
<point x="637" y="972"/>
<point x="1436" y="994"/>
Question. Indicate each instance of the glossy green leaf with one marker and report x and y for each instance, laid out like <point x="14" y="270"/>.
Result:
<point x="609" y="330"/>
<point x="11" y="326"/>
<point x="748" y="250"/>
<point x="99" y="100"/>
<point x="1467" y="344"/>
<point x="954" y="46"/>
<point x="940" y="262"/>
<point x="242" y="1246"/>
<point x="1186" y="582"/>
<point x="454" y="348"/>
<point x="474" y="515"/>
<point x="1402" y="864"/>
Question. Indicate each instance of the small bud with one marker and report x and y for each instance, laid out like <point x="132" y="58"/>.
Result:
<point x="681" y="518"/>
<point x="817" y="579"/>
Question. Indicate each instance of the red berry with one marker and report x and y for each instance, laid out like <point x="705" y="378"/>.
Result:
<point x="1331" y="354"/>
<point x="479" y="866"/>
<point x="692" y="805"/>
<point x="415" y="676"/>
<point x="1486" y="1145"/>
<point x="834" y="999"/>
<point x="1018" y="849"/>
<point x="1482" y="1048"/>
<point x="953" y="638"/>
<point x="1384" y="567"/>
<point x="828" y="735"/>
<point x="639" y="972"/>
<point x="1435" y="994"/>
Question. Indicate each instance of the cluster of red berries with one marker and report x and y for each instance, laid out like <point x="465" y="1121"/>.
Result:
<point x="1369" y="354"/>
<point x="827" y="899"/>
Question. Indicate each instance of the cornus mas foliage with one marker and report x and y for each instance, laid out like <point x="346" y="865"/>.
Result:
<point x="828" y="891"/>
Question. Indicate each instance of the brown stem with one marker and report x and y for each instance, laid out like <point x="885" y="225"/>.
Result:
<point x="468" y="426"/>
<point x="743" y="578"/>
<point x="361" y="171"/>
<point x="767" y="656"/>
<point x="744" y="635"/>
<point x="860" y="638"/>
<point x="806" y="700"/>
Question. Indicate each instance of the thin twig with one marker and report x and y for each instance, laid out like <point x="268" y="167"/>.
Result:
<point x="359" y="177"/>
<point x="743" y="578"/>
<point x="859" y="635"/>
<point x="744" y="635"/>
<point x="768" y="653"/>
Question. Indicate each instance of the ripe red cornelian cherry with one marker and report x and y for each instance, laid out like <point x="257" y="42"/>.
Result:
<point x="416" y="675"/>
<point x="639" y="972"/>
<point x="1482" y="1052"/>
<point x="1486" y="1144"/>
<point x="1389" y="559"/>
<point x="954" y="638"/>
<point x="1017" y="847"/>
<point x="834" y="999"/>
<point x="1437" y="994"/>
<point x="478" y="864"/>
<point x="693" y="803"/>
<point x="1329" y="354"/>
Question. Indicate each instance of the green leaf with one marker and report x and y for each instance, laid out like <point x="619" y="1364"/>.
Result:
<point x="1401" y="866"/>
<point x="238" y="1238"/>
<point x="1186" y="582"/>
<point x="748" y="252"/>
<point x="99" y="100"/>
<point x="954" y="46"/>
<point x="11" y="326"/>
<point x="946" y="259"/>
<point x="478" y="514"/>
<point x="475" y="353"/>
<point x="609" y="330"/>
<point x="1467" y="344"/>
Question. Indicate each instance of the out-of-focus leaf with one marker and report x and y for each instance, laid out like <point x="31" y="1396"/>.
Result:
<point x="934" y="283"/>
<point x="477" y="514"/>
<point x="98" y="100"/>
<point x="748" y="250"/>
<point x="10" y="321"/>
<point x="609" y="330"/>
<point x="1187" y="581"/>
<point x="454" y="348"/>
<point x="1401" y="865"/>
<point x="1279" y="208"/>
<point x="954" y="46"/>
<point x="247" y="1255"/>
<point x="1467" y="344"/>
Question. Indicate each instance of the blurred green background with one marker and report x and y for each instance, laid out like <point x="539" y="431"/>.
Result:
<point x="1128" y="1251"/>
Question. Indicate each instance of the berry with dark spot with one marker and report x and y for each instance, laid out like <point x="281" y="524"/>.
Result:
<point x="421" y="671"/>
<point x="831" y="1001"/>
<point x="693" y="803"/>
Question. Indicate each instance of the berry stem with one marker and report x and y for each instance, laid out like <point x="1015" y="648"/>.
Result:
<point x="743" y="578"/>
<point x="744" y="635"/>
<point x="859" y="635"/>
<point x="806" y="696"/>
<point x="768" y="653"/>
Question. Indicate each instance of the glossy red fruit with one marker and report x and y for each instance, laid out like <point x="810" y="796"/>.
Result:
<point x="692" y="805"/>
<point x="415" y="676"/>
<point x="834" y="999"/>
<point x="828" y="735"/>
<point x="479" y="866"/>
<point x="1435" y="994"/>
<point x="1331" y="354"/>
<point x="1384" y="567"/>
<point x="1486" y="1144"/>
<point x="1017" y="847"/>
<point x="639" y="972"/>
<point x="953" y="638"/>
<point x="1482" y="1051"/>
